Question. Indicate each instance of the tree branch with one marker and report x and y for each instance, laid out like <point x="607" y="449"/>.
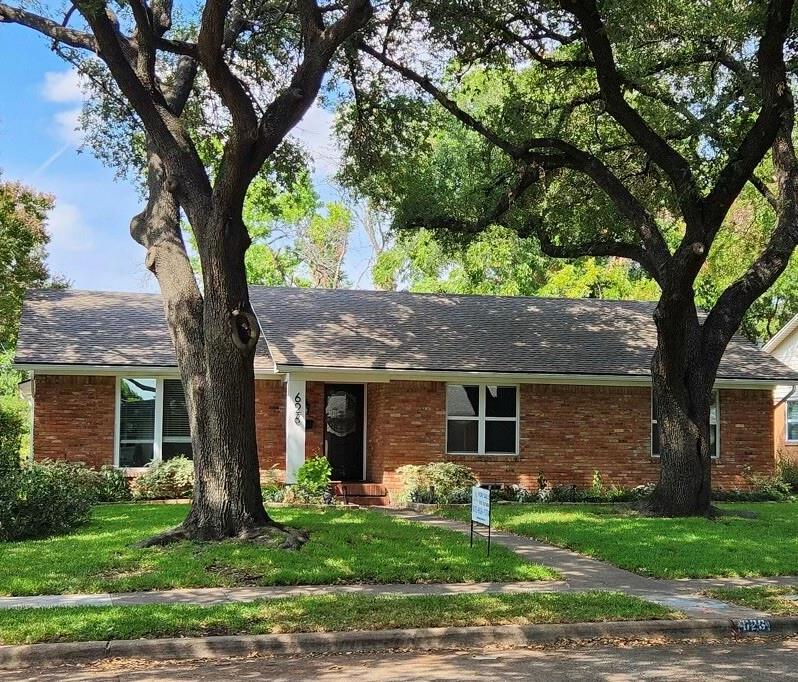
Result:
<point x="610" y="83"/>
<point x="68" y="36"/>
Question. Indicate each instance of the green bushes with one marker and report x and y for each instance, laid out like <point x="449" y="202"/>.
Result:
<point x="436" y="483"/>
<point x="787" y="470"/>
<point x="167" y="480"/>
<point x="312" y="482"/>
<point x="12" y="428"/>
<point x="42" y="499"/>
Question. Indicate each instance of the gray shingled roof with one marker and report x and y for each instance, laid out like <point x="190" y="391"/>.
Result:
<point x="378" y="330"/>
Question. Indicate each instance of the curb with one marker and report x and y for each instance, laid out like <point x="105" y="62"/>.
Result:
<point x="41" y="655"/>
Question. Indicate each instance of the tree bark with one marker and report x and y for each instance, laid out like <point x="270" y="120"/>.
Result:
<point x="215" y="352"/>
<point x="682" y="385"/>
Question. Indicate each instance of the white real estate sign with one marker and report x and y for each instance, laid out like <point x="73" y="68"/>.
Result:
<point x="480" y="505"/>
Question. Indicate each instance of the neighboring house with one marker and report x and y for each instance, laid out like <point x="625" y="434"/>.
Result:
<point x="784" y="346"/>
<point x="513" y="387"/>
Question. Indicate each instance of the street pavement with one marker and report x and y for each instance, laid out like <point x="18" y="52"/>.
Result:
<point x="751" y="661"/>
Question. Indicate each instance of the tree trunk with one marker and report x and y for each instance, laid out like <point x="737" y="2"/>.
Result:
<point x="214" y="338"/>
<point x="682" y="385"/>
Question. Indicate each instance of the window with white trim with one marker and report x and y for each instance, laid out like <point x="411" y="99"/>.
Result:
<point x="153" y="421"/>
<point x="714" y="413"/>
<point x="481" y="419"/>
<point x="791" y="419"/>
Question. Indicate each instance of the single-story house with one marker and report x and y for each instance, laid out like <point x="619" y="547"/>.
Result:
<point x="784" y="346"/>
<point x="513" y="387"/>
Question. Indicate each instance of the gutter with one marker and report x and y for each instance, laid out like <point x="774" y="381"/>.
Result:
<point x="786" y="397"/>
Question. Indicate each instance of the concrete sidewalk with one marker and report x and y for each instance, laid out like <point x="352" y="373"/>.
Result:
<point x="583" y="573"/>
<point x="210" y="596"/>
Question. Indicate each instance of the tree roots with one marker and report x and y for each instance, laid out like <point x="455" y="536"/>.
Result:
<point x="271" y="534"/>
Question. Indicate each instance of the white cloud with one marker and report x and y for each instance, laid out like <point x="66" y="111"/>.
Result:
<point x="62" y="86"/>
<point x="315" y="132"/>
<point x="68" y="229"/>
<point x="66" y="125"/>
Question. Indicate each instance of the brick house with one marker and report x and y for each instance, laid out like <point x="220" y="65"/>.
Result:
<point x="784" y="347"/>
<point x="514" y="387"/>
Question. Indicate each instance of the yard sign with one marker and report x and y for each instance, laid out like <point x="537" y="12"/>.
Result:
<point x="480" y="510"/>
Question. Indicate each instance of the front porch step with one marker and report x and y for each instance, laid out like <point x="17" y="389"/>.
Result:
<point x="365" y="494"/>
<point x="359" y="489"/>
<point x="369" y="500"/>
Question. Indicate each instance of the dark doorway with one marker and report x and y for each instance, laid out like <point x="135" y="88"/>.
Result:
<point x="343" y="430"/>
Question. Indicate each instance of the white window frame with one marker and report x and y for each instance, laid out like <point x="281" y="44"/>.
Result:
<point x="714" y="456"/>
<point x="787" y="438"/>
<point x="158" y="438"/>
<point x="481" y="418"/>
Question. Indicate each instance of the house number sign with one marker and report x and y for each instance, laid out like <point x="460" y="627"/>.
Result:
<point x="298" y="409"/>
<point x="752" y="625"/>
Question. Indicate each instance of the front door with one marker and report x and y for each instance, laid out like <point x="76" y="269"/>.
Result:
<point x="343" y="430"/>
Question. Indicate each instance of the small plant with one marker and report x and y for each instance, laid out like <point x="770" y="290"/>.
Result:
<point x="271" y="487"/>
<point x="436" y="483"/>
<point x="172" y="479"/>
<point x="312" y="481"/>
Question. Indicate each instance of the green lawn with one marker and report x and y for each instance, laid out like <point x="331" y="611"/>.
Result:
<point x="667" y="548"/>
<point x="772" y="600"/>
<point x="346" y="546"/>
<point x="319" y="614"/>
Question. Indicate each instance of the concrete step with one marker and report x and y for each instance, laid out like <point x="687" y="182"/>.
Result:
<point x="369" y="500"/>
<point x="360" y="489"/>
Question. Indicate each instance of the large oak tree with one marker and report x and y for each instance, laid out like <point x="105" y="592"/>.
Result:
<point x="602" y="128"/>
<point x="264" y="63"/>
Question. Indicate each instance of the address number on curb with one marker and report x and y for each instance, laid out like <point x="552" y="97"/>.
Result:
<point x="752" y="625"/>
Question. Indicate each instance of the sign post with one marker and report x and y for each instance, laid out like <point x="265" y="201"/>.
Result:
<point x="480" y="511"/>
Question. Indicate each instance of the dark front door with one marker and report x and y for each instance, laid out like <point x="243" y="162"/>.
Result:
<point x="343" y="430"/>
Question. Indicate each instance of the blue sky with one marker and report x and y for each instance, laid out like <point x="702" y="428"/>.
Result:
<point x="39" y="104"/>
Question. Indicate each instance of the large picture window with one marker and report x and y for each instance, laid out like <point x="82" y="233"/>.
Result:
<point x="481" y="419"/>
<point x="152" y="421"/>
<point x="714" y="413"/>
<point x="792" y="420"/>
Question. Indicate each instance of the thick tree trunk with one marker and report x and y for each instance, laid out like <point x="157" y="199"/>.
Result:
<point x="214" y="337"/>
<point x="682" y="391"/>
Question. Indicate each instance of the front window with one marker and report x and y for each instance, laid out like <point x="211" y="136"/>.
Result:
<point x="153" y="421"/>
<point x="481" y="419"/>
<point x="792" y="420"/>
<point x="136" y="422"/>
<point x="714" y="442"/>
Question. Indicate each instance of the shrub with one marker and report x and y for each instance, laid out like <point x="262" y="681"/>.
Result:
<point x="167" y="480"/>
<point x="436" y="483"/>
<point x="12" y="428"/>
<point x="312" y="481"/>
<point x="44" y="498"/>
<point x="788" y="472"/>
<point x="112" y="485"/>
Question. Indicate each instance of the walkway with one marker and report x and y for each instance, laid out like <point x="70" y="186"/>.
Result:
<point x="583" y="573"/>
<point x="580" y="573"/>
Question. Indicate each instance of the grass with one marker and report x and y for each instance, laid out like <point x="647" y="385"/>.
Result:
<point x="319" y="614"/>
<point x="346" y="546"/>
<point x="772" y="600"/>
<point x="667" y="548"/>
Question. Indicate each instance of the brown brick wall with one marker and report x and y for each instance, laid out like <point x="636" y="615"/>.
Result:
<point x="314" y="403"/>
<point x="74" y="417"/>
<point x="567" y="433"/>
<point x="782" y="448"/>
<point x="270" y="425"/>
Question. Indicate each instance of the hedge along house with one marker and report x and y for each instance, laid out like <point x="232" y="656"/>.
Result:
<point x="512" y="387"/>
<point x="784" y="346"/>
